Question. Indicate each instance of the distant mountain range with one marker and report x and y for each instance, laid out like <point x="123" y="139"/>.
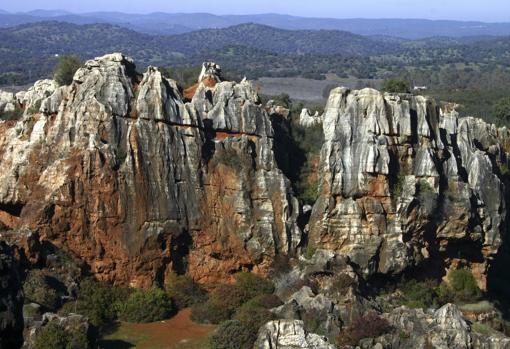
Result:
<point x="30" y="50"/>
<point x="178" y="23"/>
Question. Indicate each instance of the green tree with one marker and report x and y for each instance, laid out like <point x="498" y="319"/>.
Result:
<point x="502" y="109"/>
<point x="396" y="86"/>
<point x="464" y="286"/>
<point x="65" y="69"/>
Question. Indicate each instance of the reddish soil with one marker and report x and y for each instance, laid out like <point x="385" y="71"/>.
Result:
<point x="175" y="333"/>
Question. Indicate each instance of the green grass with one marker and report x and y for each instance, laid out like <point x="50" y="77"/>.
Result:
<point x="483" y="329"/>
<point x="479" y="307"/>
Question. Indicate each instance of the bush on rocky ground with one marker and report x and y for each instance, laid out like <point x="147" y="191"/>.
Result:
<point x="65" y="69"/>
<point x="147" y="306"/>
<point x="185" y="292"/>
<point x="38" y="289"/>
<point x="99" y="302"/>
<point x="253" y="285"/>
<point x="232" y="334"/>
<point x="246" y="302"/>
<point x="369" y="325"/>
<point x="464" y="286"/>
<point x="419" y="294"/>
<point x="54" y="336"/>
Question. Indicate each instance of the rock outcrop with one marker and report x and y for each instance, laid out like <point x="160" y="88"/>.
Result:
<point x="124" y="174"/>
<point x="306" y="119"/>
<point x="404" y="182"/>
<point x="289" y="334"/>
<point x="11" y="300"/>
<point x="7" y="101"/>
<point x="442" y="328"/>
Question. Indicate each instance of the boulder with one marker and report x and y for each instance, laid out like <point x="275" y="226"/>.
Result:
<point x="289" y="334"/>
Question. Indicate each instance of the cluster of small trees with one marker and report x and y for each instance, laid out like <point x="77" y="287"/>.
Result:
<point x="239" y="309"/>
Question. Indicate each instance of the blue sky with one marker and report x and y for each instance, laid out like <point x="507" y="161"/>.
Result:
<point x="487" y="10"/>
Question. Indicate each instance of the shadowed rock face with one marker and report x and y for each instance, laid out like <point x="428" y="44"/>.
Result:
<point x="405" y="182"/>
<point x="11" y="300"/>
<point x="137" y="183"/>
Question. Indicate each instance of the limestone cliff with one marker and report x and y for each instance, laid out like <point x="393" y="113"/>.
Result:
<point x="404" y="182"/>
<point x="127" y="176"/>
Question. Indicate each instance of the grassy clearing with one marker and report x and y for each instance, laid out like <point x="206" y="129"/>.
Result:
<point x="178" y="332"/>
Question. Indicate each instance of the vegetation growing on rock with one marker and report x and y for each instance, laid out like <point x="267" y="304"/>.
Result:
<point x="65" y="69"/>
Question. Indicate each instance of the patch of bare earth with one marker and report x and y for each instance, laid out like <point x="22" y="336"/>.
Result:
<point x="178" y="332"/>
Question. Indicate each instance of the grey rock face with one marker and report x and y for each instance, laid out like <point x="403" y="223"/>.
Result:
<point x="289" y="334"/>
<point x="210" y="70"/>
<point x="7" y="101"/>
<point x="402" y="180"/>
<point x="71" y="322"/>
<point x="137" y="183"/>
<point x="443" y="328"/>
<point x="308" y="120"/>
<point x="11" y="300"/>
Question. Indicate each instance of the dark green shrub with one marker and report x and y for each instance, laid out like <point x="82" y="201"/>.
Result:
<point x="253" y="285"/>
<point x="99" y="302"/>
<point x="147" y="306"/>
<point x="210" y="313"/>
<point x="65" y="69"/>
<point x="222" y="304"/>
<point x="396" y="86"/>
<point x="427" y="197"/>
<point x="444" y="294"/>
<point x="232" y="335"/>
<point x="370" y="325"/>
<point x="229" y="296"/>
<point x="464" y="286"/>
<point x="15" y="114"/>
<point x="397" y="186"/>
<point x="54" y="336"/>
<point x="267" y="301"/>
<point x="314" y="321"/>
<point x="419" y="294"/>
<point x="185" y="292"/>
<point x="502" y="109"/>
<point x="253" y="316"/>
<point x="37" y="289"/>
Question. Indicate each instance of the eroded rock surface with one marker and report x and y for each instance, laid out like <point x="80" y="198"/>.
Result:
<point x="442" y="328"/>
<point x="289" y="334"/>
<point x="137" y="183"/>
<point x="403" y="182"/>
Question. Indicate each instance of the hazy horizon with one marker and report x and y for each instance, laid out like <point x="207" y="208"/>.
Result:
<point x="469" y="10"/>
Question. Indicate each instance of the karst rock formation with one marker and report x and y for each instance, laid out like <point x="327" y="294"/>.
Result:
<point x="138" y="181"/>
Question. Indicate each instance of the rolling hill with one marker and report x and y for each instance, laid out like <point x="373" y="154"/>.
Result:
<point x="175" y="23"/>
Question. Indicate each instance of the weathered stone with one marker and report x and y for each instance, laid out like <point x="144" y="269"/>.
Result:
<point x="308" y="120"/>
<point x="123" y="173"/>
<point x="7" y="101"/>
<point x="404" y="182"/>
<point x="289" y="334"/>
<point x="443" y="328"/>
